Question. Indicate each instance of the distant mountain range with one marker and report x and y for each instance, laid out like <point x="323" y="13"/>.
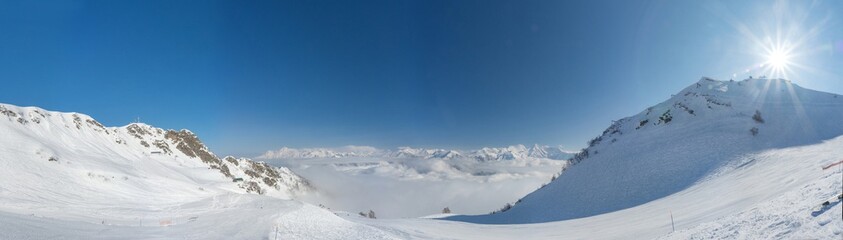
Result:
<point x="482" y="154"/>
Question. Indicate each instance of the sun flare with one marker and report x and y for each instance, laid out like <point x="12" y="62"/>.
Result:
<point x="778" y="59"/>
<point x="784" y="43"/>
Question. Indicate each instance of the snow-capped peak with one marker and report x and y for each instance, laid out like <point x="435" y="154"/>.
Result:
<point x="483" y="154"/>
<point x="676" y="143"/>
<point x="537" y="152"/>
<point x="304" y="153"/>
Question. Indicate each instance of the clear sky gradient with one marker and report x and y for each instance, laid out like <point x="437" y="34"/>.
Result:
<point x="250" y="76"/>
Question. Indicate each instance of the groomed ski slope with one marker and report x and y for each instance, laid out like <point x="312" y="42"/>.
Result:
<point x="764" y="195"/>
<point x="673" y="145"/>
<point x="226" y="216"/>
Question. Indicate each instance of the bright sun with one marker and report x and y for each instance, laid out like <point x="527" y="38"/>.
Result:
<point x="783" y="44"/>
<point x="778" y="59"/>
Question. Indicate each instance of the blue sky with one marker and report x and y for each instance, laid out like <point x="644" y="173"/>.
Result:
<point x="250" y="76"/>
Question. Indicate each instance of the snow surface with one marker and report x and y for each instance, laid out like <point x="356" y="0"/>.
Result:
<point x="770" y="198"/>
<point x="644" y="158"/>
<point x="68" y="167"/>
<point x="706" y="169"/>
<point x="768" y="194"/>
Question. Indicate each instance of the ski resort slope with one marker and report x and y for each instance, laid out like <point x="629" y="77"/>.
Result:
<point x="239" y="216"/>
<point x="766" y="195"/>
<point x="675" y="144"/>
<point x="763" y="195"/>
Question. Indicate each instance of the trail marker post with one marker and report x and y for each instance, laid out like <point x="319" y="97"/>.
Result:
<point x="671" y="222"/>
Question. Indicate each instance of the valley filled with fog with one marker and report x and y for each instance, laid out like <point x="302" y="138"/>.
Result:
<point x="416" y="186"/>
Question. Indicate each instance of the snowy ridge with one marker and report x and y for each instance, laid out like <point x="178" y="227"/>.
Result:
<point x="258" y="177"/>
<point x="305" y="153"/>
<point x="56" y="152"/>
<point x="677" y="143"/>
<point x="483" y="154"/>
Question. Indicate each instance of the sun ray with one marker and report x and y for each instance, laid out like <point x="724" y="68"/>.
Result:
<point x="800" y="109"/>
<point x="762" y="96"/>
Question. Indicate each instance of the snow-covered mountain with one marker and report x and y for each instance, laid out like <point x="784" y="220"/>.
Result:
<point x="720" y="160"/>
<point x="520" y="152"/>
<point x="483" y="154"/>
<point x="424" y="153"/>
<point x="678" y="143"/>
<point x="537" y="152"/>
<point x="304" y="153"/>
<point x="66" y="160"/>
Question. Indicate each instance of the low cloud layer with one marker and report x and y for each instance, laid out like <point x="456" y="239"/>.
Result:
<point x="414" y="187"/>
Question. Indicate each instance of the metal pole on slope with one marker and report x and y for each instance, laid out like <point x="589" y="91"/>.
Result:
<point x="671" y="222"/>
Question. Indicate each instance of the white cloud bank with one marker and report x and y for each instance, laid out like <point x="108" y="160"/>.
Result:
<point x="414" y="187"/>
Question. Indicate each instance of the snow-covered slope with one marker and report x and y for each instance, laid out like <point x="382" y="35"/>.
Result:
<point x="770" y="194"/>
<point x="764" y="195"/>
<point x="69" y="164"/>
<point x="677" y="143"/>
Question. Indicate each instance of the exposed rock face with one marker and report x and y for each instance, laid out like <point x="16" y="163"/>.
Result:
<point x="136" y="131"/>
<point x="77" y="121"/>
<point x="189" y="144"/>
<point x="261" y="173"/>
<point x="258" y="175"/>
<point x="160" y="144"/>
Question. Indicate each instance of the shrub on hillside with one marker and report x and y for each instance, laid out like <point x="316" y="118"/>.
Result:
<point x="757" y="117"/>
